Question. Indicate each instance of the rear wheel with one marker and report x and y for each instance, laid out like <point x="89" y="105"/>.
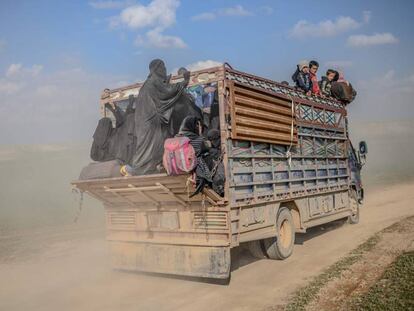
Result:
<point x="256" y="249"/>
<point x="281" y="246"/>
<point x="354" y="217"/>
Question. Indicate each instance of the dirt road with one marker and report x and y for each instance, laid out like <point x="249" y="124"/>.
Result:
<point x="67" y="272"/>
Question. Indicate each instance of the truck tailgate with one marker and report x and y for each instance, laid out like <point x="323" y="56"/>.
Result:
<point x="158" y="190"/>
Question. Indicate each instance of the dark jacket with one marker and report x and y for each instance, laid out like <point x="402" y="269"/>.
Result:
<point x="302" y="80"/>
<point x="325" y="86"/>
<point x="189" y="129"/>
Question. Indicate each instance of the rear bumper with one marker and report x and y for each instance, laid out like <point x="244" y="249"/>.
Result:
<point x="199" y="261"/>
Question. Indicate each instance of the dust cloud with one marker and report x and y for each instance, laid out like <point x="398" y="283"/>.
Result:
<point x="390" y="151"/>
<point x="43" y="252"/>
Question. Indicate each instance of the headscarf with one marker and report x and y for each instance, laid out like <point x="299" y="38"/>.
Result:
<point x="213" y="136"/>
<point x="157" y="68"/>
<point x="302" y="64"/>
<point x="189" y="127"/>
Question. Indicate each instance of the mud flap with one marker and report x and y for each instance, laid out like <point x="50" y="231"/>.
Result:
<point x="199" y="261"/>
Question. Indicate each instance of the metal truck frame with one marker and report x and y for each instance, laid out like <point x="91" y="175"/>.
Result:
<point x="287" y="165"/>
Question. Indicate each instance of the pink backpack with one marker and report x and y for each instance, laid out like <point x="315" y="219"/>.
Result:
<point x="179" y="156"/>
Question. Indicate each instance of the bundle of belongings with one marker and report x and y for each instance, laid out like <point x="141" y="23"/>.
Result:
<point x="167" y="130"/>
<point x="342" y="90"/>
<point x="190" y="150"/>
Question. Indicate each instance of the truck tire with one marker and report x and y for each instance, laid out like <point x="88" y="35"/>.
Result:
<point x="281" y="246"/>
<point x="354" y="217"/>
<point x="256" y="249"/>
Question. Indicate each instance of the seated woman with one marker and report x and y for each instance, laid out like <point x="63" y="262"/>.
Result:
<point x="191" y="128"/>
<point x="215" y="161"/>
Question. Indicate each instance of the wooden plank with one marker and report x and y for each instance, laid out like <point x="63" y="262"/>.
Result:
<point x="180" y="200"/>
<point x="249" y="102"/>
<point x="140" y="180"/>
<point x="263" y="115"/>
<point x="141" y="190"/>
<point x="258" y="95"/>
<point x="212" y="194"/>
<point x="126" y="182"/>
<point x="248" y="132"/>
<point x="265" y="125"/>
<point x="318" y="125"/>
<point x="125" y="199"/>
<point x="266" y="140"/>
<point x="224" y="107"/>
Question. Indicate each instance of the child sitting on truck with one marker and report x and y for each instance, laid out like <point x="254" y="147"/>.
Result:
<point x="313" y="69"/>
<point x="301" y="77"/>
<point x="326" y="83"/>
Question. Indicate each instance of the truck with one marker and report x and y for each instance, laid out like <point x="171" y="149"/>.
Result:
<point x="289" y="165"/>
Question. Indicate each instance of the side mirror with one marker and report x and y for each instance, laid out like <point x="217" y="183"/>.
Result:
<point x="363" y="148"/>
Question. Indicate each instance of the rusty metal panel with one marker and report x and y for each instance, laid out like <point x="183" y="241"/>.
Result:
<point x="258" y="115"/>
<point x="262" y="172"/>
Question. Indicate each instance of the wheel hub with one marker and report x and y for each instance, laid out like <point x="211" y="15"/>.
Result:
<point x="285" y="234"/>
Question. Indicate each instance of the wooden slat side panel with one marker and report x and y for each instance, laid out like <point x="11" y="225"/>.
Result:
<point x="262" y="117"/>
<point x="261" y="105"/>
<point x="248" y="122"/>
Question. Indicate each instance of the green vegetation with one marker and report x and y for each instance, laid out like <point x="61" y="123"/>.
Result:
<point x="393" y="291"/>
<point x="306" y="294"/>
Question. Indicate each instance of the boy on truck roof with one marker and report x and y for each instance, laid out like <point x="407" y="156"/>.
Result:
<point x="301" y="77"/>
<point x="326" y="82"/>
<point x="313" y="69"/>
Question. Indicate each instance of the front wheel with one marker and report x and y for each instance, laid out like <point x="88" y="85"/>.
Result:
<point x="281" y="246"/>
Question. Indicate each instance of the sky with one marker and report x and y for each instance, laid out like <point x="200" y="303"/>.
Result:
<point x="57" y="56"/>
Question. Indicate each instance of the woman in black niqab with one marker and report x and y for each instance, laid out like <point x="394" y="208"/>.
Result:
<point x="154" y="106"/>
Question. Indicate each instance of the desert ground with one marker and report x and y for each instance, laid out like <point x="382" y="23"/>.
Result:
<point x="70" y="270"/>
<point x="48" y="262"/>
